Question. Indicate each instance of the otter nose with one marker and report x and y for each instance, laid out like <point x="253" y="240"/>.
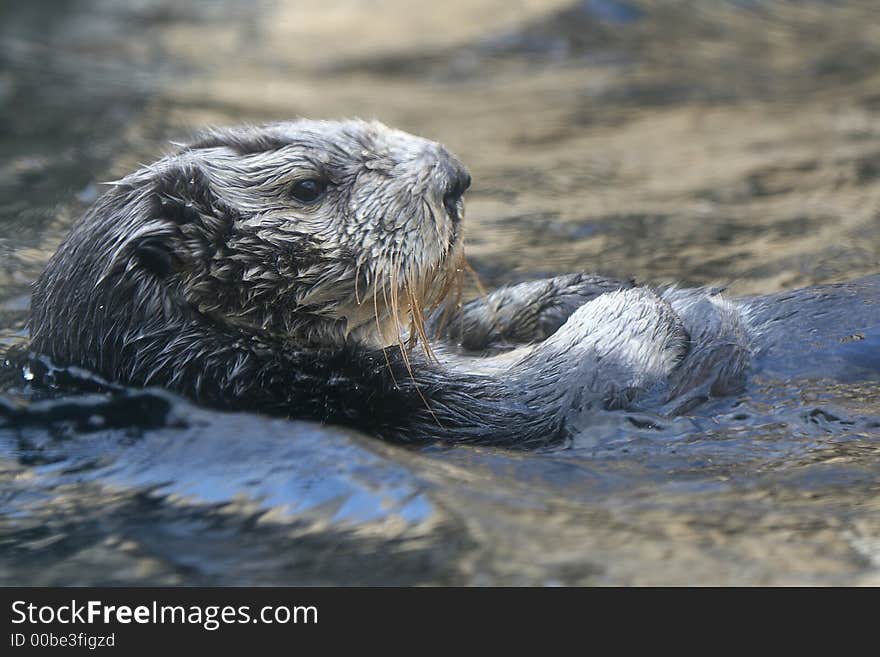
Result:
<point x="457" y="181"/>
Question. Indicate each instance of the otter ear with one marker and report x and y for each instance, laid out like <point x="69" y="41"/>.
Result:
<point x="187" y="224"/>
<point x="180" y="196"/>
<point x="145" y="248"/>
<point x="155" y="255"/>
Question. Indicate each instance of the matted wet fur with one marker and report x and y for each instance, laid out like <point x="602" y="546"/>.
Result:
<point x="215" y="273"/>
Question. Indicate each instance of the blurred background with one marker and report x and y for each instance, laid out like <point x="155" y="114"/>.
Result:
<point x="696" y="141"/>
<point x="731" y="141"/>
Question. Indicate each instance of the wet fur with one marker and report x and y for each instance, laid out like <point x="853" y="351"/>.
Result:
<point x="201" y="275"/>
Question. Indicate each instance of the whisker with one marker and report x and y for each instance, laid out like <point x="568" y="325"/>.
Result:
<point x="454" y="283"/>
<point x="474" y="275"/>
<point x="395" y="311"/>
<point x="379" y="329"/>
<point x="418" y="321"/>
<point x="357" y="278"/>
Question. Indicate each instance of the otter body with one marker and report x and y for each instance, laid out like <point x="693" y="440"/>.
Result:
<point x="282" y="268"/>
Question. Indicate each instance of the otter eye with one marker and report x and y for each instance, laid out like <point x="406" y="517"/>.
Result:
<point x="307" y="190"/>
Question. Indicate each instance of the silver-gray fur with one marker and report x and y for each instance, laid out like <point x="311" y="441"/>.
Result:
<point x="204" y="274"/>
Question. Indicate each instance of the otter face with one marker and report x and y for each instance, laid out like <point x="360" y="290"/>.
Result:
<point x="308" y="230"/>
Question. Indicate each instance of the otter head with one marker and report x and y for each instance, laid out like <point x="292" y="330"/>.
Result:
<point x="310" y="231"/>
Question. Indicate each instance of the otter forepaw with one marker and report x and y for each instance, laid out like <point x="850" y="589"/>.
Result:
<point x="525" y="313"/>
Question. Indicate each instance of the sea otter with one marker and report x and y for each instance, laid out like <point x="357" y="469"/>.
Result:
<point x="289" y="268"/>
